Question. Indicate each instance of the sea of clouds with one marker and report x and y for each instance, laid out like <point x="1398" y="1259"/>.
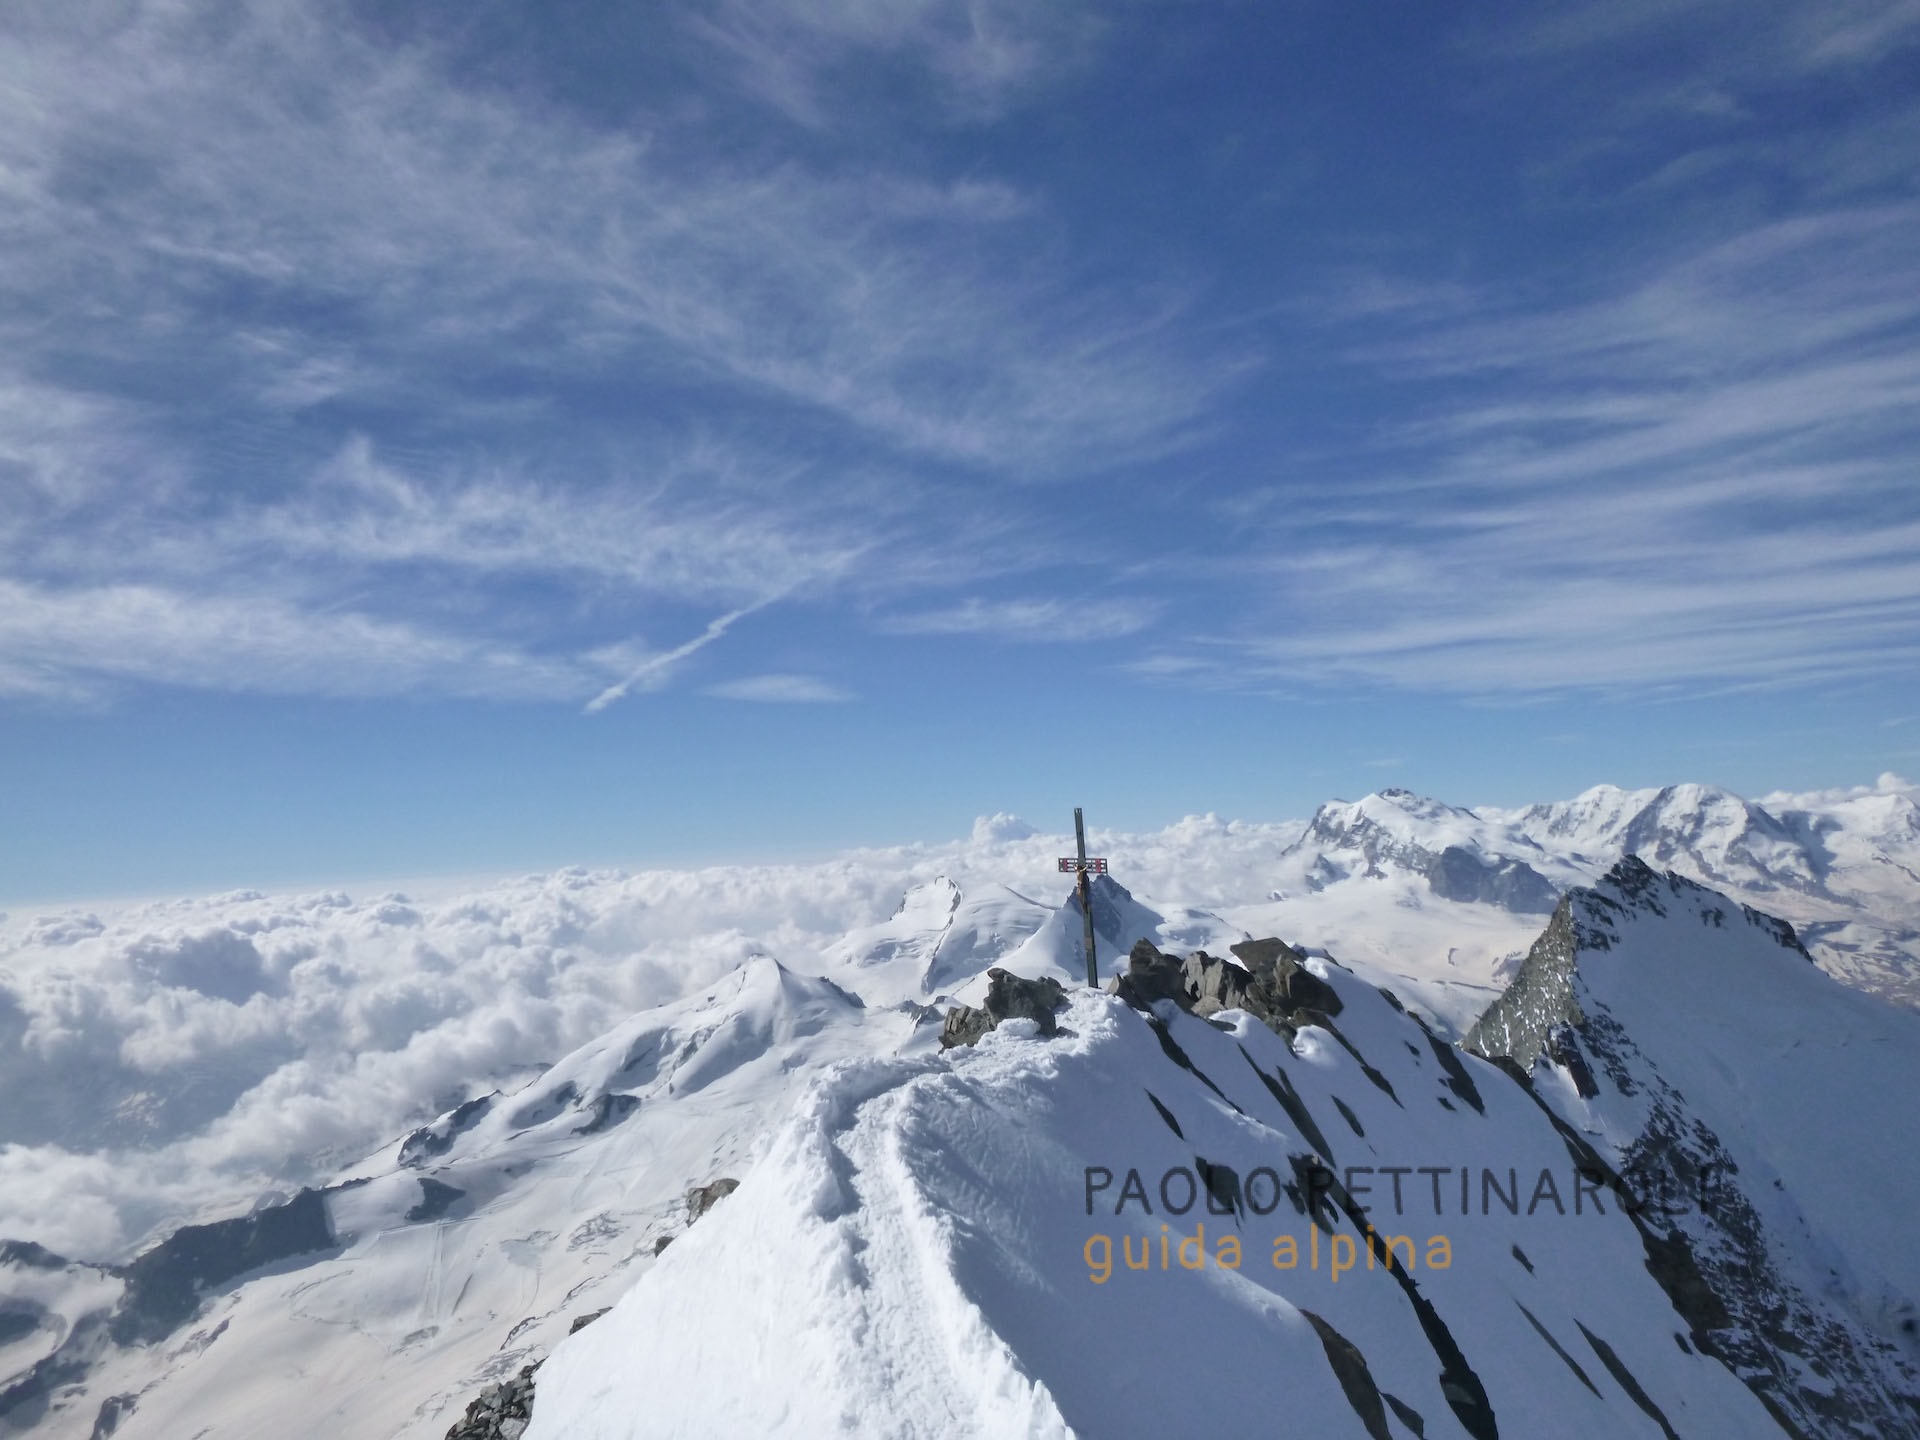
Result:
<point x="174" y="1060"/>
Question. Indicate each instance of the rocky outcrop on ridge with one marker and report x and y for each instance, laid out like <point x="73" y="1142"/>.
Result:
<point x="502" y="1411"/>
<point x="1009" y="997"/>
<point x="161" y="1290"/>
<point x="1270" y="982"/>
<point x="702" y="1198"/>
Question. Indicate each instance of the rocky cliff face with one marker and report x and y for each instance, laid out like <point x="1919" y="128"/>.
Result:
<point x="1691" y="1046"/>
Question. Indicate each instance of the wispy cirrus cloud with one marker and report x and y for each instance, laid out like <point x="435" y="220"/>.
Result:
<point x="75" y="643"/>
<point x="1701" y="479"/>
<point x="1046" y="621"/>
<point x="300" y="314"/>
<point x="982" y="56"/>
<point x="1764" y="38"/>
<point x="380" y="215"/>
<point x="781" y="689"/>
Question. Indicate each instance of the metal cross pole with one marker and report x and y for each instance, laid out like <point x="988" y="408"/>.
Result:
<point x="1081" y="866"/>
<point x="1086" y="897"/>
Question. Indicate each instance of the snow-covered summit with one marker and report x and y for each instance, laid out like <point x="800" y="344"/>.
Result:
<point x="964" y="1245"/>
<point x="1681" y="1030"/>
<point x="1462" y="856"/>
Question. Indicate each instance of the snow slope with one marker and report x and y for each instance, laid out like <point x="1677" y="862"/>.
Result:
<point x="466" y="1247"/>
<point x="1680" y="1031"/>
<point x="911" y="1257"/>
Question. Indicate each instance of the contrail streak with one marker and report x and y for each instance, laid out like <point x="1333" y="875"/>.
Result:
<point x="654" y="664"/>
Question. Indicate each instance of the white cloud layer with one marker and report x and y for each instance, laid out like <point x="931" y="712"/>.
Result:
<point x="162" y="1057"/>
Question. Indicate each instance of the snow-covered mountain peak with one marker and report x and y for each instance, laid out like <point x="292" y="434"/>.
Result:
<point x="1701" y="828"/>
<point x="1889" y="821"/>
<point x="1695" y="1035"/>
<point x="938" y="939"/>
<point x="1633" y="892"/>
<point x="1461" y="855"/>
<point x="1399" y="813"/>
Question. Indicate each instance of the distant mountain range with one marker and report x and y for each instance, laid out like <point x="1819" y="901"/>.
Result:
<point x="1845" y="870"/>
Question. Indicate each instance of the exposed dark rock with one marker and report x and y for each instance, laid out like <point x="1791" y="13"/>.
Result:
<point x="164" y="1286"/>
<point x="1458" y="1079"/>
<point x="662" y="1243"/>
<point x="1171" y="1049"/>
<point x="1356" y="1380"/>
<point x="1540" y="999"/>
<point x="25" y="1252"/>
<point x="113" y="1410"/>
<point x="502" y="1411"/>
<point x="1465" y="1393"/>
<point x="1009" y="997"/>
<point x="435" y="1198"/>
<point x="1710" y="1252"/>
<point x="1564" y="1050"/>
<point x="1166" y="1115"/>
<point x="1363" y="846"/>
<point x="1150" y="977"/>
<point x="1222" y="1185"/>
<point x="703" y="1198"/>
<point x="1617" y="1368"/>
<point x="23" y="1403"/>
<point x="607" y="1111"/>
<point x="1281" y="980"/>
<point x="1557" y="1348"/>
<point x="1513" y="885"/>
<point x="1211" y="984"/>
<point x="1116" y="914"/>
<point x="1281" y="1088"/>
<point x="437" y="1138"/>
<point x="963" y="1026"/>
<point x="16" y="1323"/>
<point x="546" y="1107"/>
<point x="1409" y="1417"/>
<point x="1270" y="982"/>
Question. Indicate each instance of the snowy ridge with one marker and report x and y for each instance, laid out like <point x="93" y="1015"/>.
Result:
<point x="923" y="1231"/>
<point x="459" y="1251"/>
<point x="1666" y="1023"/>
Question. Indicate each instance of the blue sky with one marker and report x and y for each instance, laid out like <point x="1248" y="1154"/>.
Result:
<point x="510" y="435"/>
